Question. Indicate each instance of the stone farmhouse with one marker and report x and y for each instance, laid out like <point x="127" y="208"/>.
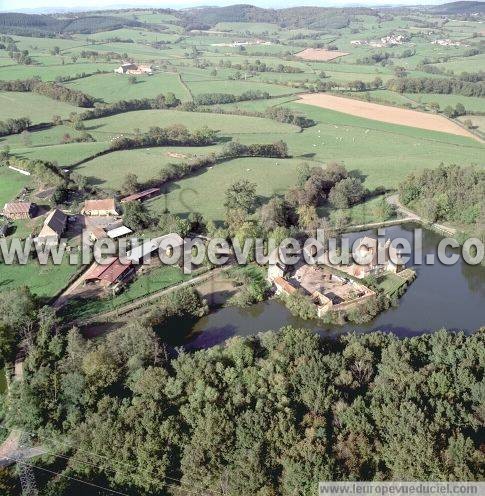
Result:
<point x="106" y="207"/>
<point x="134" y="69"/>
<point x="53" y="228"/>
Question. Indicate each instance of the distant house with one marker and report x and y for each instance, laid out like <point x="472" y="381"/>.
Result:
<point x="142" y="195"/>
<point x="54" y="227"/>
<point x="105" y="207"/>
<point x="19" y="210"/>
<point x="109" y="274"/>
<point x="136" y="69"/>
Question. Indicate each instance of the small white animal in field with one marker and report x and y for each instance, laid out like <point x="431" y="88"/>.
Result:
<point x="248" y="170"/>
<point x="336" y="127"/>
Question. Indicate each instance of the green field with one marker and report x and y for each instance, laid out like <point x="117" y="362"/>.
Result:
<point x="43" y="280"/>
<point x="225" y="124"/>
<point x="113" y="87"/>
<point x="37" y="107"/>
<point x="64" y="155"/>
<point x="109" y="171"/>
<point x="11" y="183"/>
<point x="204" y="192"/>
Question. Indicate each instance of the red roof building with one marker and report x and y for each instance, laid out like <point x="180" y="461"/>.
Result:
<point x="110" y="273"/>
<point x="142" y="195"/>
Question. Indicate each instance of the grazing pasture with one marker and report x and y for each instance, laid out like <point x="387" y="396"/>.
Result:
<point x="37" y="107"/>
<point x="113" y="87"/>
<point x="204" y="192"/>
<point x="226" y="125"/>
<point x="109" y="171"/>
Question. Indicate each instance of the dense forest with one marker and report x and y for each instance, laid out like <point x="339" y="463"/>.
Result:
<point x="449" y="193"/>
<point x="266" y="415"/>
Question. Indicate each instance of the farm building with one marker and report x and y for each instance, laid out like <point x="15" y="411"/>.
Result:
<point x="19" y="210"/>
<point x="130" y="68"/>
<point x="119" y="232"/>
<point x="97" y="233"/>
<point x="111" y="273"/>
<point x="105" y="207"/>
<point x="54" y="227"/>
<point x="167" y="243"/>
<point x="142" y="195"/>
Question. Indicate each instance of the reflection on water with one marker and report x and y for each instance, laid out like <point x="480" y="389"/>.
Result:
<point x="441" y="296"/>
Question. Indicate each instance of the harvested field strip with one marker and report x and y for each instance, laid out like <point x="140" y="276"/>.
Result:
<point x="383" y="113"/>
<point x="320" y="54"/>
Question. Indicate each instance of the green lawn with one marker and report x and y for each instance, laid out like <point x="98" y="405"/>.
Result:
<point x="43" y="280"/>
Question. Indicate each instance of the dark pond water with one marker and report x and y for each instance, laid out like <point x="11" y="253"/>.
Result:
<point x="446" y="296"/>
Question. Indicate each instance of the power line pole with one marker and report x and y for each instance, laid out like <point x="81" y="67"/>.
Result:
<point x="27" y="476"/>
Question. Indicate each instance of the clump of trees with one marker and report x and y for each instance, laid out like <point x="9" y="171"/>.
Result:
<point x="448" y="193"/>
<point x="272" y="414"/>
<point x="282" y="114"/>
<point x="316" y="185"/>
<point x="235" y="149"/>
<point x="14" y="126"/>
<point x="52" y="90"/>
<point x="176" y="134"/>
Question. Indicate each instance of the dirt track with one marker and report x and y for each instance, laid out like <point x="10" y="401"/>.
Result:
<point x="384" y="113"/>
<point x="320" y="54"/>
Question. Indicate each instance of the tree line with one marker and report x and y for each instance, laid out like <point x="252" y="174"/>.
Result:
<point x="437" y="85"/>
<point x="222" y="98"/>
<point x="14" y="126"/>
<point x="52" y="90"/>
<point x="267" y="415"/>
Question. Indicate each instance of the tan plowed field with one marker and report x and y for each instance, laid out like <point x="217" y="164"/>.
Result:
<point x="384" y="113"/>
<point x="320" y="54"/>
